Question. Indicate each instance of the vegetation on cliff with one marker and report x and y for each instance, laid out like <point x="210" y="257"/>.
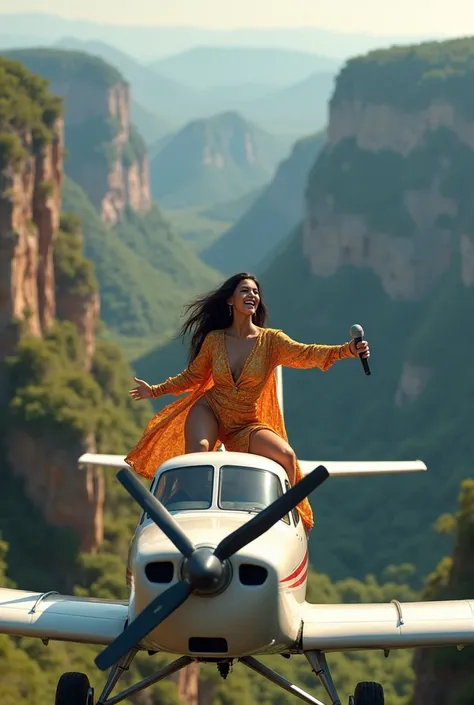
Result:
<point x="145" y="272"/>
<point x="411" y="77"/>
<point x="27" y="109"/>
<point x="59" y="65"/>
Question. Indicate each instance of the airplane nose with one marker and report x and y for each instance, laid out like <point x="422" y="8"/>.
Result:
<point x="206" y="573"/>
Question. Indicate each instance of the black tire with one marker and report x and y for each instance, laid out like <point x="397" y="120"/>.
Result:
<point x="368" y="693"/>
<point x="74" y="689"/>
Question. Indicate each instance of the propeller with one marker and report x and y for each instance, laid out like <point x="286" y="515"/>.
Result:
<point x="205" y="571"/>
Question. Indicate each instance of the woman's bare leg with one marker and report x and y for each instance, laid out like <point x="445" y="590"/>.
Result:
<point x="201" y="429"/>
<point x="265" y="442"/>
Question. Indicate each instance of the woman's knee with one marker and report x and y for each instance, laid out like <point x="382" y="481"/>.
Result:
<point x="197" y="446"/>
<point x="288" y="460"/>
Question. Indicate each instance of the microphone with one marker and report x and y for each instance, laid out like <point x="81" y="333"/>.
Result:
<point x="357" y="333"/>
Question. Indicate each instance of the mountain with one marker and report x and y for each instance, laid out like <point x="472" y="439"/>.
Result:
<point x="293" y="109"/>
<point x="149" y="43"/>
<point x="207" y="67"/>
<point x="159" y="95"/>
<point x="386" y="241"/>
<point x="213" y="160"/>
<point x="272" y="215"/>
<point x="153" y="270"/>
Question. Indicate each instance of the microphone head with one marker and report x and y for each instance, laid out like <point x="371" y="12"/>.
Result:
<point x="357" y="331"/>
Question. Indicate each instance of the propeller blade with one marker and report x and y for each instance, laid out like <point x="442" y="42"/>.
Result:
<point x="156" y="612"/>
<point x="271" y="515"/>
<point x="156" y="511"/>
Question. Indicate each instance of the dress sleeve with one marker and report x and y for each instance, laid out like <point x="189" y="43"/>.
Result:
<point x="289" y="353"/>
<point x="191" y="377"/>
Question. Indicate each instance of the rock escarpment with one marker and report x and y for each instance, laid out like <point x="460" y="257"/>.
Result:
<point x="33" y="296"/>
<point x="106" y="155"/>
<point x="387" y="241"/>
<point x="390" y="192"/>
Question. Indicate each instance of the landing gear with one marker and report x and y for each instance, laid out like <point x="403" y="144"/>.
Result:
<point x="368" y="693"/>
<point x="74" y="689"/>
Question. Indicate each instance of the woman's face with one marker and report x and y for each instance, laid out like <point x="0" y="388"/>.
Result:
<point x="246" y="297"/>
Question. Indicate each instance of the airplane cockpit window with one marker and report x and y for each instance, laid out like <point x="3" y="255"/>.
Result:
<point x="190" y="488"/>
<point x="248" y="489"/>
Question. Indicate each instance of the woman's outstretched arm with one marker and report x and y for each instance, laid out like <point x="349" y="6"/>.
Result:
<point x="290" y="353"/>
<point x="185" y="381"/>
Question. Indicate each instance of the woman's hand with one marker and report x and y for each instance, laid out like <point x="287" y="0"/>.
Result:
<point x="361" y="348"/>
<point x="143" y="391"/>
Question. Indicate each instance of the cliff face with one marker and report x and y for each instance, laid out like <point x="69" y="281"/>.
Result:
<point x="30" y="205"/>
<point x="384" y="195"/>
<point x="387" y="240"/>
<point x="97" y="111"/>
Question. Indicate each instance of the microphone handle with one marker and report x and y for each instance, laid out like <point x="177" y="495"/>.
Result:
<point x="364" y="361"/>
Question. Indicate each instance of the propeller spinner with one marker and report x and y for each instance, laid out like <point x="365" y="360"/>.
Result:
<point x="205" y="571"/>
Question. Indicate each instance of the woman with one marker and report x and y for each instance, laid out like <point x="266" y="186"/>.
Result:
<point x="231" y="383"/>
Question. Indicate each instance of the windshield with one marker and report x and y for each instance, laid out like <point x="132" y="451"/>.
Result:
<point x="246" y="489"/>
<point x="187" y="488"/>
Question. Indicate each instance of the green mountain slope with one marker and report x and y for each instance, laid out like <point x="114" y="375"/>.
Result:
<point x="213" y="160"/>
<point x="144" y="270"/>
<point x="272" y="215"/>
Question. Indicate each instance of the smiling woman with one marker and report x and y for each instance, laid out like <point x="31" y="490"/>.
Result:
<point x="231" y="383"/>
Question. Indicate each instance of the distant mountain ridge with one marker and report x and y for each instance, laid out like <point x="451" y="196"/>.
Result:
<point x="149" y="43"/>
<point x="207" y="67"/>
<point x="213" y="160"/>
<point x="162" y="103"/>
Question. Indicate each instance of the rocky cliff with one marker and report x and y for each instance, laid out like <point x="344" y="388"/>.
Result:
<point x="387" y="241"/>
<point x="31" y="167"/>
<point x="385" y="195"/>
<point x="106" y="155"/>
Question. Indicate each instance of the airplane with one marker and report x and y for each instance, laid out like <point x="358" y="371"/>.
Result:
<point x="217" y="573"/>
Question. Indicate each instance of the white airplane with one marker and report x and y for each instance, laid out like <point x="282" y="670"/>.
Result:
<point x="217" y="572"/>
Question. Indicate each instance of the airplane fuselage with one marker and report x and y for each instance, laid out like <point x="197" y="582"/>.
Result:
<point x="259" y="610"/>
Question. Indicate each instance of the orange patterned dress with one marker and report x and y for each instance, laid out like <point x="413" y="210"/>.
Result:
<point x="240" y="407"/>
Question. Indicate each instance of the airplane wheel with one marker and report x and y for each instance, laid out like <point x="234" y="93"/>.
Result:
<point x="368" y="693"/>
<point x="74" y="689"/>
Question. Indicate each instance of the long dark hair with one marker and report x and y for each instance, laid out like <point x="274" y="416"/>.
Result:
<point x="211" y="312"/>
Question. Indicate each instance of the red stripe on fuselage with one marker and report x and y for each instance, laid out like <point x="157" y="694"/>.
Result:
<point x="295" y="574"/>
<point x="300" y="581"/>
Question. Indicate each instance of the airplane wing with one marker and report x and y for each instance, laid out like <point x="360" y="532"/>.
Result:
<point x="387" y="626"/>
<point x="112" y="461"/>
<point x="61" y="617"/>
<point x="347" y="468"/>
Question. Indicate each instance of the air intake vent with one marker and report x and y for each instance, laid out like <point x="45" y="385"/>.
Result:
<point x="159" y="572"/>
<point x="207" y="645"/>
<point x="252" y="574"/>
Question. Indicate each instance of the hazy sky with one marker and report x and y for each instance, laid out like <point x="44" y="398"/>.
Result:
<point x="453" y="17"/>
